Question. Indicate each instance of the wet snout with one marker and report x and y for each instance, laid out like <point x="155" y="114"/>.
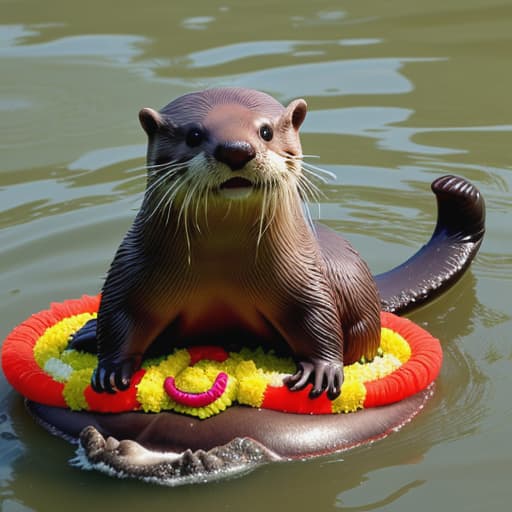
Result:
<point x="235" y="154"/>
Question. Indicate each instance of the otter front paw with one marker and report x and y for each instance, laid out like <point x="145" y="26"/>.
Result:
<point x="324" y="375"/>
<point x="84" y="340"/>
<point x="113" y="376"/>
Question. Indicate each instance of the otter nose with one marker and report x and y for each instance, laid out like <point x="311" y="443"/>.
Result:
<point x="234" y="154"/>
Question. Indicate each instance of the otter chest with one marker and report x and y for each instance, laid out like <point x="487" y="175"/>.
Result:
<point x="217" y="316"/>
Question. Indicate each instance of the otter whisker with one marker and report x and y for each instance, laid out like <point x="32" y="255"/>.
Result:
<point x="197" y="191"/>
<point x="307" y="187"/>
<point x="151" y="186"/>
<point x="182" y="185"/>
<point x="308" y="190"/>
<point x="161" y="207"/>
<point x="163" y="165"/>
<point x="272" y="209"/>
<point x="168" y="164"/>
<point x="262" y="215"/>
<point x="168" y="197"/>
<point x="228" y="210"/>
<point x="184" y="212"/>
<point x="137" y="168"/>
<point x="318" y="172"/>
<point x="309" y="172"/>
<point x="309" y="218"/>
<point x="199" y="199"/>
<point x="207" y="191"/>
<point x="171" y="196"/>
<point x="307" y="214"/>
<point x="162" y="185"/>
<point x="164" y="173"/>
<point x="172" y="166"/>
<point x="155" y="186"/>
<point x="147" y="167"/>
<point x="290" y="196"/>
<point x="316" y="192"/>
<point x="186" y="202"/>
<point x="169" y="172"/>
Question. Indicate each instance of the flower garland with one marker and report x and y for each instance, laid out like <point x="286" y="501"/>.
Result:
<point x="204" y="381"/>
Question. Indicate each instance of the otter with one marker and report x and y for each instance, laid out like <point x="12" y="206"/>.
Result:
<point x="223" y="251"/>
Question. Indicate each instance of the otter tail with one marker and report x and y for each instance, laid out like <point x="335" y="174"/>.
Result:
<point x="443" y="260"/>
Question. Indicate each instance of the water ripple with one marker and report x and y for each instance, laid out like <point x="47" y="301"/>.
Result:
<point x="377" y="123"/>
<point x="118" y="48"/>
<point x="236" y="52"/>
<point x="495" y="265"/>
<point x="330" y="78"/>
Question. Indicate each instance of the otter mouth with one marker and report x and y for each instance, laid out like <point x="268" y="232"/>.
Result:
<point x="236" y="188"/>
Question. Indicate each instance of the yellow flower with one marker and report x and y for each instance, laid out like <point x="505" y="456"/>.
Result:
<point x="250" y="372"/>
<point x="393" y="343"/>
<point x="75" y="387"/>
<point x="194" y="380"/>
<point x="175" y="363"/>
<point x="79" y="360"/>
<point x="251" y="390"/>
<point x="150" y="391"/>
<point x="353" y="394"/>
<point x="56" y="338"/>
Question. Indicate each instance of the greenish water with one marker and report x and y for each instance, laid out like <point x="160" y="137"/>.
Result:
<point x="399" y="93"/>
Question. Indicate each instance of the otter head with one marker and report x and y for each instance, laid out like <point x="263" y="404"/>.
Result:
<point x="228" y="143"/>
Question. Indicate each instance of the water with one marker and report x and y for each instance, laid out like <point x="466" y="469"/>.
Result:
<point x="399" y="93"/>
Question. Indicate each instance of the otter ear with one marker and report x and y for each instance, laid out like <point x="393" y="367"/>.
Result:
<point x="150" y="120"/>
<point x="295" y="113"/>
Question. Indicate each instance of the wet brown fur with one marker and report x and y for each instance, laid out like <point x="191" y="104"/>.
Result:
<point x="198" y="266"/>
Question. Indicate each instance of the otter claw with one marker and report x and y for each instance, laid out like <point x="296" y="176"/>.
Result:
<point x="325" y="376"/>
<point x="113" y="377"/>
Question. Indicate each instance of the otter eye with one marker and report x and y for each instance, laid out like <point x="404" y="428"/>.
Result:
<point x="194" y="137"/>
<point x="266" y="132"/>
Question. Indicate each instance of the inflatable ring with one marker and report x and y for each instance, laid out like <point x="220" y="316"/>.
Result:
<point x="37" y="364"/>
<point x="207" y="431"/>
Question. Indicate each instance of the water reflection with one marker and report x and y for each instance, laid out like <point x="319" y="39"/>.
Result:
<point x="332" y="78"/>
<point x="118" y="49"/>
<point x="11" y="449"/>
<point x="98" y="158"/>
<point x="213" y="57"/>
<point x="197" y="22"/>
<point x="377" y="505"/>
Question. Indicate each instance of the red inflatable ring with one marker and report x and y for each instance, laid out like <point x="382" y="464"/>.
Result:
<point x="417" y="370"/>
